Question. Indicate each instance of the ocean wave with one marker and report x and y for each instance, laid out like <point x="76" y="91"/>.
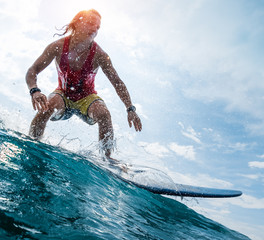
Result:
<point x="47" y="192"/>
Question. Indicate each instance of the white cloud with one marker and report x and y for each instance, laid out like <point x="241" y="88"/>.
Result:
<point x="230" y="147"/>
<point x="220" y="141"/>
<point x="256" y="164"/>
<point x="187" y="152"/>
<point x="213" y="182"/>
<point x="244" y="201"/>
<point x="202" y="180"/>
<point x="247" y="201"/>
<point x="190" y="133"/>
<point x="240" y="146"/>
<point x="154" y="148"/>
<point x="251" y="176"/>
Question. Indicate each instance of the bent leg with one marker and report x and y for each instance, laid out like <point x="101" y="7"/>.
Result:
<point x="99" y="112"/>
<point x="39" y="122"/>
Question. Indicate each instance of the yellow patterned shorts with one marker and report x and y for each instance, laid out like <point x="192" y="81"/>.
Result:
<point x="79" y="108"/>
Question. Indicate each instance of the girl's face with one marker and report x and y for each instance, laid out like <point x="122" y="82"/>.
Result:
<point x="88" y="25"/>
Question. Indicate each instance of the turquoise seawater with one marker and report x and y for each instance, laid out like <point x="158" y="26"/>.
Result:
<point x="47" y="192"/>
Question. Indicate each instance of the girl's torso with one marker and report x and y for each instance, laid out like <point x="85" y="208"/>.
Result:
<point x="76" y="70"/>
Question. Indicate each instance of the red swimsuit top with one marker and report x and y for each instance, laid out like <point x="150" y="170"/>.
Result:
<point x="76" y="84"/>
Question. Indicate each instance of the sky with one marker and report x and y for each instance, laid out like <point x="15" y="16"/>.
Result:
<point x="194" y="71"/>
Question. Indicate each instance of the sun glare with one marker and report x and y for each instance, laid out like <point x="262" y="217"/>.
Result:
<point x="79" y="5"/>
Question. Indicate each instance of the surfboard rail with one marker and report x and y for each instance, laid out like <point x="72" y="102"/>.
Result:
<point x="192" y="191"/>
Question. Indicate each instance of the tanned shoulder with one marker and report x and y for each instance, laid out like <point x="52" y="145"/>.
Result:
<point x="100" y="57"/>
<point x="56" y="47"/>
<point x="53" y="50"/>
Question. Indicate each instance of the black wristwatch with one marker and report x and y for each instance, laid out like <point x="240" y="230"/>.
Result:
<point x="131" y="109"/>
<point x="33" y="90"/>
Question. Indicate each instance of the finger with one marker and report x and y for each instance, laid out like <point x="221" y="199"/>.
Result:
<point x="136" y="125"/>
<point x="45" y="102"/>
<point x="42" y="104"/>
<point x="38" y="106"/>
<point x="139" y="125"/>
<point x="129" y="121"/>
<point x="33" y="104"/>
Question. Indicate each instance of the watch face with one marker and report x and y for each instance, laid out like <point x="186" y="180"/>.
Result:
<point x="131" y="109"/>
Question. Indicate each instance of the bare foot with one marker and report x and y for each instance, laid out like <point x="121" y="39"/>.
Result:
<point x="117" y="163"/>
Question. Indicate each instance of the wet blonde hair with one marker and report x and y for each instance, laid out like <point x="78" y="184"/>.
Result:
<point x="71" y="28"/>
